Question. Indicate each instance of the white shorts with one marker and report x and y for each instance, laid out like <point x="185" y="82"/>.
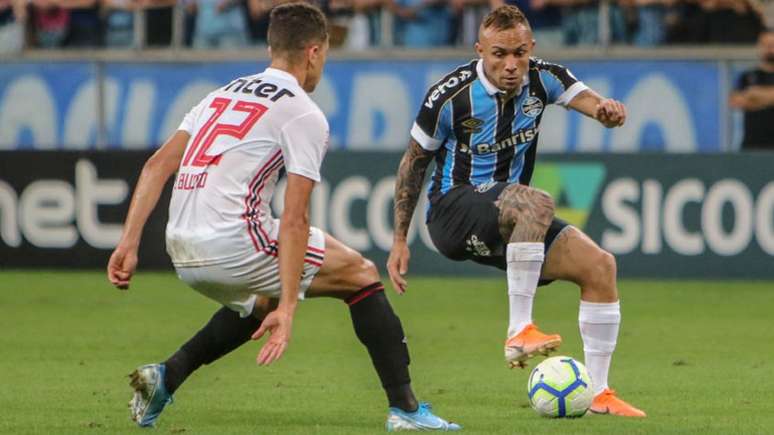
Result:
<point x="237" y="282"/>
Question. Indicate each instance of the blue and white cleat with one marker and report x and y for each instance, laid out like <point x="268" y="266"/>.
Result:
<point x="150" y="394"/>
<point x="422" y="419"/>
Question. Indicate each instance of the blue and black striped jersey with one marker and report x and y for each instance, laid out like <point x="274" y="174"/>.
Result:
<point x="477" y="135"/>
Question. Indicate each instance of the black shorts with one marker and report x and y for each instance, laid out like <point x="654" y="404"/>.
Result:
<point x="464" y="225"/>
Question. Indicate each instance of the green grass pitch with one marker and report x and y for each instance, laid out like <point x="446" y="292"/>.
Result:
<point x="697" y="356"/>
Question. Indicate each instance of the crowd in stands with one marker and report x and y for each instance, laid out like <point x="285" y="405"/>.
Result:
<point x="357" y="24"/>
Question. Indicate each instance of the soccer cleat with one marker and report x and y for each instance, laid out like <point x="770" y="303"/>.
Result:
<point x="150" y="394"/>
<point x="422" y="419"/>
<point x="607" y="402"/>
<point x="528" y="343"/>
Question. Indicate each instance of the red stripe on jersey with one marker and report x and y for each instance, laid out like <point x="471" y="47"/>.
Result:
<point x="250" y="208"/>
<point x="312" y="258"/>
<point x="253" y="200"/>
<point x="276" y="166"/>
<point x="259" y="179"/>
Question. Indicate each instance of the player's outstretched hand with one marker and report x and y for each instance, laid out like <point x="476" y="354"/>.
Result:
<point x="397" y="265"/>
<point x="121" y="266"/>
<point x="611" y="113"/>
<point x="279" y="324"/>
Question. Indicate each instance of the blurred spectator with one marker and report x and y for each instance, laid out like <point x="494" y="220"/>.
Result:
<point x="545" y="19"/>
<point x="764" y="8"/>
<point x="755" y="96"/>
<point x="684" y="23"/>
<point x="650" y="21"/>
<point x="467" y="17"/>
<point x="258" y="19"/>
<point x="13" y="14"/>
<point x="189" y="20"/>
<point x="580" y="22"/>
<point x="120" y="16"/>
<point x="219" y="24"/>
<point x="715" y="22"/>
<point x="731" y="21"/>
<point x="375" y="14"/>
<point x="49" y="24"/>
<point x="158" y="21"/>
<point x="422" y="23"/>
<point x="119" y="22"/>
<point x="357" y="20"/>
<point x="85" y="26"/>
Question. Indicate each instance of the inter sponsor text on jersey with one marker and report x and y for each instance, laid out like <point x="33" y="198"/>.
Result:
<point x="242" y="135"/>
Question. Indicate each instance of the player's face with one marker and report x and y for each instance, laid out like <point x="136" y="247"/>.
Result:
<point x="766" y="47"/>
<point x="506" y="55"/>
<point x="316" y="55"/>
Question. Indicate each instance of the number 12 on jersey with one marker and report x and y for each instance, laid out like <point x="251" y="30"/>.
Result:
<point x="209" y="132"/>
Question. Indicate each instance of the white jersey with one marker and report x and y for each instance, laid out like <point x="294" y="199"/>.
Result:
<point x="242" y="135"/>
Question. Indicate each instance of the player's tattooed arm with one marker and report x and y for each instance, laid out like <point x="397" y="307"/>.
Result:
<point x="525" y="213"/>
<point x="408" y="186"/>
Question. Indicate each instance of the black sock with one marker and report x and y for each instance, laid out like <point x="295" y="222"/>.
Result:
<point x="224" y="332"/>
<point x="379" y="329"/>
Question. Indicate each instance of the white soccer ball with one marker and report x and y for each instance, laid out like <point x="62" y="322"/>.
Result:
<point x="560" y="387"/>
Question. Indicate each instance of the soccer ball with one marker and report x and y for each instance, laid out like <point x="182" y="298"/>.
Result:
<point x="560" y="387"/>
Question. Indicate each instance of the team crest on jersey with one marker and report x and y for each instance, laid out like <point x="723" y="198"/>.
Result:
<point x="472" y="125"/>
<point x="532" y="107"/>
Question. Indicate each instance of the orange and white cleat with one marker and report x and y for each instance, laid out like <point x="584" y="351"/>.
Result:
<point x="528" y="343"/>
<point x="607" y="402"/>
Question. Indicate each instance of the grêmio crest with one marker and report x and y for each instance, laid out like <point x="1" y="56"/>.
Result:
<point x="532" y="106"/>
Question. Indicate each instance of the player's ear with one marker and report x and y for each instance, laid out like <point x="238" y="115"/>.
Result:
<point x="312" y="53"/>
<point x="479" y="49"/>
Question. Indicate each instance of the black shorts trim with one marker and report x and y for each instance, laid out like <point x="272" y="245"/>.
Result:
<point x="464" y="225"/>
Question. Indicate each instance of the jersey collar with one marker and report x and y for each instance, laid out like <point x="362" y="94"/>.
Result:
<point x="281" y="74"/>
<point x="490" y="88"/>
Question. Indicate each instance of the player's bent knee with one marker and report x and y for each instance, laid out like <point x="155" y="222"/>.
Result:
<point x="358" y="273"/>
<point x="609" y="264"/>
<point x="367" y="272"/>
<point x="600" y="273"/>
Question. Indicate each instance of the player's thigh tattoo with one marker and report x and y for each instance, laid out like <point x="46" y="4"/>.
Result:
<point x="560" y="253"/>
<point x="525" y="213"/>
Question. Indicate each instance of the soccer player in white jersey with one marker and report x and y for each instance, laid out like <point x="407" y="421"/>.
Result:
<point x="480" y="123"/>
<point x="224" y="243"/>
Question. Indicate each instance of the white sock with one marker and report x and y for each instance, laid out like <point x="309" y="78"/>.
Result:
<point x="599" y="324"/>
<point x="524" y="263"/>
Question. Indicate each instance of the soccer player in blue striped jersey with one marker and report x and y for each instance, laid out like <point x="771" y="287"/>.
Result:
<point x="480" y="124"/>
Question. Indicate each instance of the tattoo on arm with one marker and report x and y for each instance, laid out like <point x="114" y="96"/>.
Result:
<point x="408" y="186"/>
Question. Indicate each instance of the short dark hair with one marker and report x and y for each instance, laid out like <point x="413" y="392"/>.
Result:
<point x="293" y="26"/>
<point x="505" y="17"/>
